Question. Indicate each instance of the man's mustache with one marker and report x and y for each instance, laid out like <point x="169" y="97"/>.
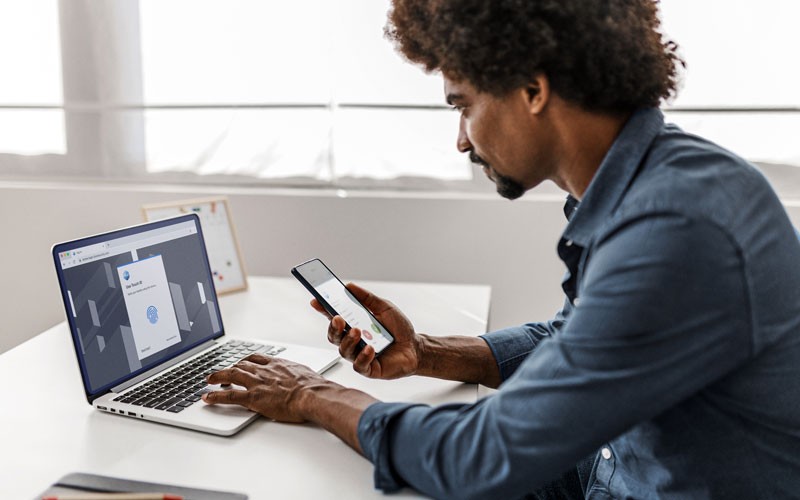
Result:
<point x="477" y="159"/>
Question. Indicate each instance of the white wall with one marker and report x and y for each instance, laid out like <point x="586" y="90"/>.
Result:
<point x="449" y="238"/>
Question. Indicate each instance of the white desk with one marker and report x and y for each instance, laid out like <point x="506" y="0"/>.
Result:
<point x="47" y="428"/>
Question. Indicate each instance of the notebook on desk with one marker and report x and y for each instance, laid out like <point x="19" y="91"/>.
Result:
<point x="78" y="484"/>
<point x="146" y="326"/>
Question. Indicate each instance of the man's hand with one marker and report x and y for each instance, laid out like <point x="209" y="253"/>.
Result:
<point x="273" y="387"/>
<point x="289" y="392"/>
<point x="401" y="358"/>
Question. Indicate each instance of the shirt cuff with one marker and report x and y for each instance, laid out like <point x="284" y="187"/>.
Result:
<point x="510" y="347"/>
<point x="374" y="440"/>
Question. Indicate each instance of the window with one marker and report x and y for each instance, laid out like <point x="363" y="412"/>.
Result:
<point x="241" y="91"/>
<point x="740" y="85"/>
<point x="31" y="118"/>
<point x="310" y="93"/>
<point x="275" y="90"/>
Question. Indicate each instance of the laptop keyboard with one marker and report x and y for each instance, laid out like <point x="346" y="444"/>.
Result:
<point x="180" y="388"/>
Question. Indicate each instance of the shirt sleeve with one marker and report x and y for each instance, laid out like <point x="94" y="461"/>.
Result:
<point x="663" y="314"/>
<point x="511" y="346"/>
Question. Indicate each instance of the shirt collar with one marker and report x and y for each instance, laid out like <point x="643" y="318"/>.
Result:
<point x="615" y="174"/>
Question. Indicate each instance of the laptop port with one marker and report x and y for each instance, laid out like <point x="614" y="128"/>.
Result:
<point x="131" y="414"/>
<point x="102" y="408"/>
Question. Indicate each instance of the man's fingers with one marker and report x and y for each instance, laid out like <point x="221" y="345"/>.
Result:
<point x="233" y="375"/>
<point x="369" y="299"/>
<point x="349" y="344"/>
<point x="318" y="307"/>
<point x="335" y="330"/>
<point x="232" y="397"/>
<point x="258" y="358"/>
<point x="363" y="362"/>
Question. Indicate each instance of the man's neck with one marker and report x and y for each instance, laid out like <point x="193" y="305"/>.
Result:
<point x="585" y="138"/>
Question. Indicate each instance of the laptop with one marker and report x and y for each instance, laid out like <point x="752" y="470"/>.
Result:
<point x="147" y="330"/>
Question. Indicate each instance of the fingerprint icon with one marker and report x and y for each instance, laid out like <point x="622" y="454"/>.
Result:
<point x="152" y="314"/>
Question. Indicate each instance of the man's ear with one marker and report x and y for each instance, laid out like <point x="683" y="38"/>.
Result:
<point x="537" y="93"/>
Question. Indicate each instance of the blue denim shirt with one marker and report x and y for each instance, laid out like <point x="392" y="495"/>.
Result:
<point x="676" y="357"/>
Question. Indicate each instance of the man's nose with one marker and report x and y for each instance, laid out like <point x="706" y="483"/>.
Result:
<point x="462" y="142"/>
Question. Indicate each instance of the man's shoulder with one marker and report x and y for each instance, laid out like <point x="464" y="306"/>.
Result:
<point x="691" y="176"/>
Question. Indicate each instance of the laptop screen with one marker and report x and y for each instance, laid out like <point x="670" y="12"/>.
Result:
<point x="136" y="297"/>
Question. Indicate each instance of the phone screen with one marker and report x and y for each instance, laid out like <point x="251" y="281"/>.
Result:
<point x="337" y="299"/>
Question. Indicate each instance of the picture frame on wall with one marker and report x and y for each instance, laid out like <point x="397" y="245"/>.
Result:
<point x="224" y="254"/>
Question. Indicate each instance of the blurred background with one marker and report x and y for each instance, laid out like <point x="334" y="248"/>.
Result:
<point x="326" y="142"/>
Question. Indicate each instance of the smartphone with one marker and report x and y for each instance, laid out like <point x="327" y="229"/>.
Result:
<point x="338" y="301"/>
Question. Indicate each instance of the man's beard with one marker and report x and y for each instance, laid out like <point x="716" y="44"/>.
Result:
<point x="506" y="186"/>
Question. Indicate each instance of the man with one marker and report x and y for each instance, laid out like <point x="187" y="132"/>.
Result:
<point x="674" y="364"/>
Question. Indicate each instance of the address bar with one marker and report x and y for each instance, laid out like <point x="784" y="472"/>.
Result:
<point x="152" y="240"/>
<point x="117" y="247"/>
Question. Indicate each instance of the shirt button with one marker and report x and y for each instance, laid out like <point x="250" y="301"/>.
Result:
<point x="577" y="301"/>
<point x="606" y="453"/>
<point x="568" y="243"/>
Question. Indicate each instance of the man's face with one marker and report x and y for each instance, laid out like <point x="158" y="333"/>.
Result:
<point x="500" y="134"/>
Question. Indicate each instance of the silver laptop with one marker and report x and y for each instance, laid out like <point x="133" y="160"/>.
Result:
<point x="146" y="326"/>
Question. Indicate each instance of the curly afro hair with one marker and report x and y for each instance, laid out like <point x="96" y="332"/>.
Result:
<point x="604" y="55"/>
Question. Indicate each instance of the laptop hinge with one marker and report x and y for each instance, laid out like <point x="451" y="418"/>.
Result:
<point x="163" y="366"/>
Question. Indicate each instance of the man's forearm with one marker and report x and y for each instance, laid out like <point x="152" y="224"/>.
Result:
<point x="461" y="358"/>
<point x="337" y="409"/>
